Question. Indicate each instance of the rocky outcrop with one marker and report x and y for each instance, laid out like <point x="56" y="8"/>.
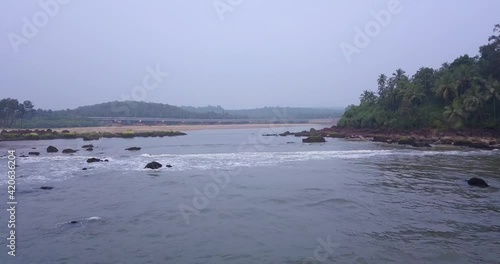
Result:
<point x="89" y="149"/>
<point x="477" y="182"/>
<point x="46" y="188"/>
<point x="33" y="153"/>
<point x="153" y="165"/>
<point x="69" y="151"/>
<point x="133" y="149"/>
<point x="52" y="149"/>
<point x="92" y="160"/>
<point x="314" y="139"/>
<point x="87" y="146"/>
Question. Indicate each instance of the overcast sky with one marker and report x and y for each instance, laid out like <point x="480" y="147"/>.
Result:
<point x="252" y="53"/>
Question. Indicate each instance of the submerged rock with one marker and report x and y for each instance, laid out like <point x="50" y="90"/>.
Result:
<point x="168" y="166"/>
<point x="87" y="146"/>
<point x="46" y="187"/>
<point x="73" y="222"/>
<point x="89" y="149"/>
<point x="34" y="153"/>
<point x="133" y="149"/>
<point x="69" y="151"/>
<point x="52" y="149"/>
<point x="153" y="165"/>
<point x="314" y="139"/>
<point x="477" y="182"/>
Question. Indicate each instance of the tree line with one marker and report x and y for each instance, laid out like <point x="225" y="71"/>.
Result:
<point x="461" y="94"/>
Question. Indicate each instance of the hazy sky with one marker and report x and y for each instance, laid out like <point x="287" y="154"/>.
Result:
<point x="252" y="53"/>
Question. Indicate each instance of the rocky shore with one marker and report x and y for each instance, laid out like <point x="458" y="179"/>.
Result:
<point x="479" y="139"/>
<point x="37" y="134"/>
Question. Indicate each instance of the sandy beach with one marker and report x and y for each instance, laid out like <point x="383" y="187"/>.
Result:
<point x="183" y="128"/>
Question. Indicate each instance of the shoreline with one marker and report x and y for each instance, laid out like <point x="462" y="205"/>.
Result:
<point x="121" y="129"/>
<point x="421" y="138"/>
<point x="95" y="133"/>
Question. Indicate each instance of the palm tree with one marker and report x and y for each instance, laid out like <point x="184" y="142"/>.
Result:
<point x="474" y="100"/>
<point x="445" y="87"/>
<point x="455" y="113"/>
<point x="493" y="93"/>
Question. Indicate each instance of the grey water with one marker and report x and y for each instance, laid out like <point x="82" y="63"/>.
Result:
<point x="233" y="196"/>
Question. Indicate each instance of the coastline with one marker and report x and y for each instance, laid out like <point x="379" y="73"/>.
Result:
<point x="135" y="128"/>
<point x="95" y="133"/>
<point x="421" y="138"/>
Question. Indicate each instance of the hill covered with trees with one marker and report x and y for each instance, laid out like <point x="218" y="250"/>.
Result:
<point x="459" y="95"/>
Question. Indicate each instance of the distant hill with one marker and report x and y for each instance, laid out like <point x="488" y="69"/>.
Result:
<point x="272" y="112"/>
<point x="140" y="109"/>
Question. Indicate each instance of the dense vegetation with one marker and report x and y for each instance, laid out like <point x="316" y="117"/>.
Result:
<point x="463" y="94"/>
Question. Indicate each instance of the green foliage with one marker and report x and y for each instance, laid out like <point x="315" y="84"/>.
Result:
<point x="463" y="94"/>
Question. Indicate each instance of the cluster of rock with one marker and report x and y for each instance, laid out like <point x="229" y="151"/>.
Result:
<point x="37" y="134"/>
<point x="420" y="138"/>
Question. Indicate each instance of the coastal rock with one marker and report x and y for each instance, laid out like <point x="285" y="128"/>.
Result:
<point x="34" y="153"/>
<point x="314" y="139"/>
<point x="69" y="151"/>
<point x="65" y="131"/>
<point x="23" y="156"/>
<point x="46" y="188"/>
<point x="133" y="149"/>
<point x="84" y="169"/>
<point x="286" y="133"/>
<point x="269" y="135"/>
<point x="92" y="160"/>
<point x="477" y="182"/>
<point x="406" y="141"/>
<point x="168" y="166"/>
<point x="153" y="165"/>
<point x="421" y="145"/>
<point x="87" y="146"/>
<point x="73" y="222"/>
<point x="89" y="149"/>
<point x="52" y="149"/>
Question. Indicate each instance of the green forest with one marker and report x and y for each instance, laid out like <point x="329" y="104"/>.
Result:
<point x="15" y="114"/>
<point x="459" y="95"/>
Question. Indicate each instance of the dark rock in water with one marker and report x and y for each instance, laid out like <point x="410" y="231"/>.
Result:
<point x="69" y="151"/>
<point x="35" y="148"/>
<point x="52" y="149"/>
<point x="46" y="187"/>
<point x="87" y="146"/>
<point x="290" y="142"/>
<point x="73" y="222"/>
<point x="106" y="160"/>
<point x="89" y="149"/>
<point x="153" y="165"/>
<point x="286" y="133"/>
<point x="269" y="135"/>
<point x="23" y="156"/>
<point x="133" y="148"/>
<point x="314" y="139"/>
<point x="477" y="182"/>
<point x="84" y="169"/>
<point x="92" y="160"/>
<point x="34" y="153"/>
<point x="168" y="166"/>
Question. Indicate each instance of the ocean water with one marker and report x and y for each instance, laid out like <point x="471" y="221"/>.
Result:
<point x="233" y="196"/>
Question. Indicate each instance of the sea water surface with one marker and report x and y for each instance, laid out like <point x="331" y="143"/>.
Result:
<point x="233" y="196"/>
